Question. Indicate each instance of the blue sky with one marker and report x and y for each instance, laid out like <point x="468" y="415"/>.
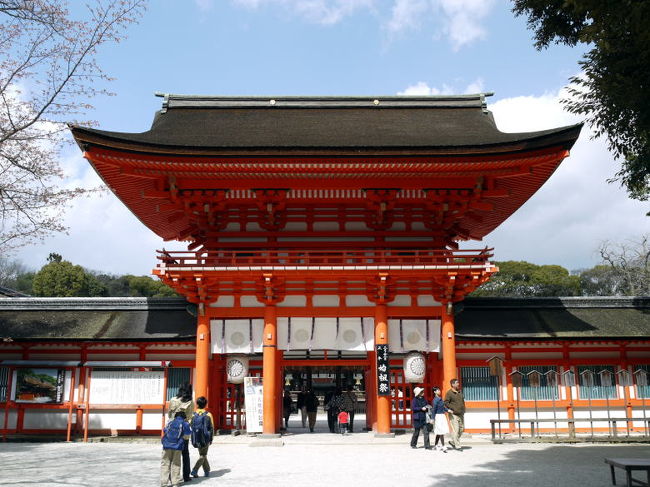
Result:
<point x="351" y="47"/>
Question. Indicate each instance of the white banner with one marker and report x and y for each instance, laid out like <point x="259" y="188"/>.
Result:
<point x="414" y="335"/>
<point x="254" y="403"/>
<point x="236" y="336"/>
<point x="127" y="387"/>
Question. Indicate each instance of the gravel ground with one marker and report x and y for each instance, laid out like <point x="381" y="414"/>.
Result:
<point x="317" y="460"/>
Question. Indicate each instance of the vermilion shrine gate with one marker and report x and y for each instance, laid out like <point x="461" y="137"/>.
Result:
<point x="323" y="208"/>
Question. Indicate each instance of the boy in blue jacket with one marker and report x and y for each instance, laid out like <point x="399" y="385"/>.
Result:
<point x="176" y="431"/>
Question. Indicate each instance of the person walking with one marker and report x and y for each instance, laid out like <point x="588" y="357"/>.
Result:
<point x="440" y="426"/>
<point x="331" y="411"/>
<point x="175" y="434"/>
<point x="183" y="402"/>
<point x="455" y="403"/>
<point x="287" y="404"/>
<point x="349" y="404"/>
<point x="419" y="406"/>
<point x="334" y="406"/>
<point x="202" y="435"/>
<point x="311" y="406"/>
<point x="302" y="395"/>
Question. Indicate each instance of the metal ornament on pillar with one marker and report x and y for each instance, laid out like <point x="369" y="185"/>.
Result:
<point x="237" y="368"/>
<point x="414" y="367"/>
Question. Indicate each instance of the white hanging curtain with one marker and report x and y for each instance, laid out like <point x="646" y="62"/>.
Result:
<point x="421" y="335"/>
<point x="236" y="336"/>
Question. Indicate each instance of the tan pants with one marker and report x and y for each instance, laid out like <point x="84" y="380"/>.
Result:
<point x="203" y="460"/>
<point x="170" y="467"/>
<point x="457" y="427"/>
<point x="303" y="416"/>
<point x="311" y="415"/>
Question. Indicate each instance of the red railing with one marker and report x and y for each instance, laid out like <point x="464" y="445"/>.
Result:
<point x="237" y="258"/>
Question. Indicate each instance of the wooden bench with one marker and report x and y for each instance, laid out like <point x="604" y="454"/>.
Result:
<point x="629" y="465"/>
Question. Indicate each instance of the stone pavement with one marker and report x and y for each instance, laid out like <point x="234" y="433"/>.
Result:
<point x="318" y="459"/>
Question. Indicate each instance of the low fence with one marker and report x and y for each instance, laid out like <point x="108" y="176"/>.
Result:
<point x="513" y="430"/>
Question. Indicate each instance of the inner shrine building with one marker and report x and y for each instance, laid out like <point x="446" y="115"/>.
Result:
<point x="323" y="232"/>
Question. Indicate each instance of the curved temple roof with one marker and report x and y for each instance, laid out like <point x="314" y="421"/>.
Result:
<point x="439" y="164"/>
<point x="212" y="124"/>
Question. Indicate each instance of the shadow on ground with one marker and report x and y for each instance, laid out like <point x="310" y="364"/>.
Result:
<point x="562" y="465"/>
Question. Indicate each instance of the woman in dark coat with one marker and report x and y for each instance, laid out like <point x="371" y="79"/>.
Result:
<point x="287" y="403"/>
<point x="311" y="404"/>
<point x="419" y="406"/>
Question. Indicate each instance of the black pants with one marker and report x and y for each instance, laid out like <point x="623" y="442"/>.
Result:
<point x="416" y="434"/>
<point x="186" y="460"/>
<point x="331" y="419"/>
<point x="351" y="424"/>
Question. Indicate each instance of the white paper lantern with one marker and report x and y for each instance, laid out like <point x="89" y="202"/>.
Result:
<point x="237" y="368"/>
<point x="415" y="367"/>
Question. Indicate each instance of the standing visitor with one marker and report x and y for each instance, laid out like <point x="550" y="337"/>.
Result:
<point x="455" y="403"/>
<point x="287" y="404"/>
<point x="174" y="437"/>
<point x="202" y="434"/>
<point x="302" y="395"/>
<point x="419" y="406"/>
<point x="311" y="406"/>
<point x="344" y="419"/>
<point x="334" y="407"/>
<point x="440" y="426"/>
<point x="183" y="402"/>
<point x="331" y="414"/>
<point x="349" y="404"/>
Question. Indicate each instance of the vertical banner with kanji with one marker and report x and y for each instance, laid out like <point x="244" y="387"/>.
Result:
<point x="383" y="371"/>
<point x="254" y="401"/>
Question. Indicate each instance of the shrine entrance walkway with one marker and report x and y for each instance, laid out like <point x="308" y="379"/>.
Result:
<point x="317" y="460"/>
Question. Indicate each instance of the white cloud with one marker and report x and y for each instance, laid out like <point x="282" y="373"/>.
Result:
<point x="104" y="235"/>
<point x="460" y="21"/>
<point x="204" y="5"/>
<point x="463" y="20"/>
<point x="407" y="14"/>
<point x="576" y="209"/>
<point x="324" y="12"/>
<point x="421" y="88"/>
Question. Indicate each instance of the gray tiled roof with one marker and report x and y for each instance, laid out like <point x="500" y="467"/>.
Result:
<point x="444" y="125"/>
<point x="597" y="317"/>
<point x="173" y="318"/>
<point x="96" y="319"/>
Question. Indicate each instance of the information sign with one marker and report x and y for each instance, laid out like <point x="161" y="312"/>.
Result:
<point x="383" y="371"/>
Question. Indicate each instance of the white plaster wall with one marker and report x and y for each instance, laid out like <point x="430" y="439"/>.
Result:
<point x="250" y="302"/>
<point x="293" y="301"/>
<point x="42" y="419"/>
<point x="357" y="300"/>
<point x="325" y="300"/>
<point x="401" y="300"/>
<point x="112" y="420"/>
<point x="224" y="302"/>
<point x="480" y="418"/>
<point x="11" y="420"/>
<point x="152" y="420"/>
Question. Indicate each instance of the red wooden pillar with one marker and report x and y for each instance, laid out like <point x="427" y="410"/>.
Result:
<point x="279" y="389"/>
<point x="371" y="392"/>
<point x="270" y="371"/>
<point x="216" y="402"/>
<point x="202" y="353"/>
<point x="382" y="402"/>
<point x="448" y="345"/>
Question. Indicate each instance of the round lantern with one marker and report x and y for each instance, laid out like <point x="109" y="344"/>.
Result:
<point x="414" y="367"/>
<point x="237" y="368"/>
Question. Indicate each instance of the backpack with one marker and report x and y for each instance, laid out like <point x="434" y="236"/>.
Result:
<point x="201" y="430"/>
<point x="172" y="434"/>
